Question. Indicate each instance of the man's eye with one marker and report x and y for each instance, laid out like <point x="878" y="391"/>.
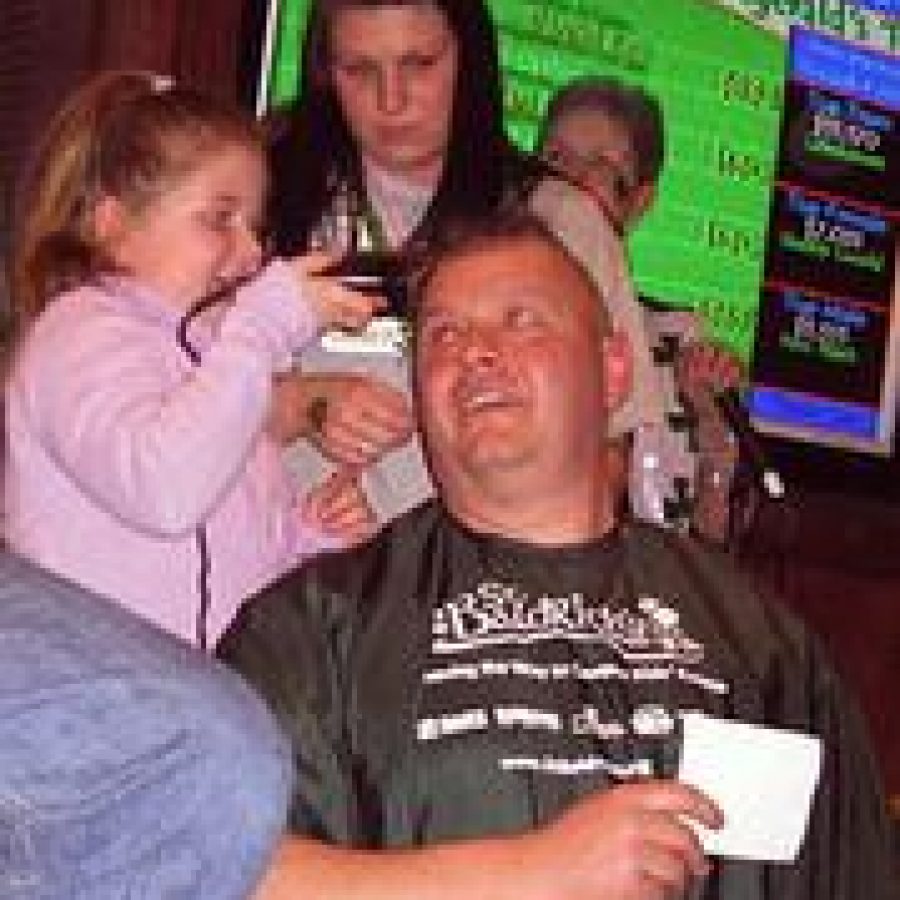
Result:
<point x="523" y="317"/>
<point x="443" y="334"/>
<point x="620" y="180"/>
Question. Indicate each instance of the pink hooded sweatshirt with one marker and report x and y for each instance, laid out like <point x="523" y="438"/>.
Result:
<point x="119" y="448"/>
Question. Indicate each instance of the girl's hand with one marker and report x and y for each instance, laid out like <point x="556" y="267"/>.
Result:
<point x="339" y="507"/>
<point x="336" y="305"/>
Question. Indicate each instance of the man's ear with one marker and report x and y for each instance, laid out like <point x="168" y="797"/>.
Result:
<point x="618" y="369"/>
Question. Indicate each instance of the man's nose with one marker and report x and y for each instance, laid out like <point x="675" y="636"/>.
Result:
<point x="392" y="90"/>
<point x="482" y="348"/>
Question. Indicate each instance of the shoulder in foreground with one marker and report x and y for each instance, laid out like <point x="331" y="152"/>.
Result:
<point x="22" y="580"/>
<point x="44" y="616"/>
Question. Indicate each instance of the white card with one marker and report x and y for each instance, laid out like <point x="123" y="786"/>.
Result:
<point x="763" y="779"/>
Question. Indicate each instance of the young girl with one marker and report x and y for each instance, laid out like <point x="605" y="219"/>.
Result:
<point x="139" y="463"/>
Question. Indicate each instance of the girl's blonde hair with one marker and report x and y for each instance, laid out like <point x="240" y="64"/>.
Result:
<point x="127" y="134"/>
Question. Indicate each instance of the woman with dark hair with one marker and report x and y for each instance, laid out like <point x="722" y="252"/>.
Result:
<point x="397" y="130"/>
<point x="319" y="155"/>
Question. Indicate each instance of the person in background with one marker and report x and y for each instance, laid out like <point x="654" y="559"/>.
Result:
<point x="139" y="458"/>
<point x="130" y="764"/>
<point x="399" y="126"/>
<point x="483" y="701"/>
<point x="609" y="138"/>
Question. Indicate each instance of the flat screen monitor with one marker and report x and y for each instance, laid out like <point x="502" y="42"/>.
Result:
<point x="825" y="359"/>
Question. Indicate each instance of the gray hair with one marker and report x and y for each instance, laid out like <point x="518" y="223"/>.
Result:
<point x="631" y="106"/>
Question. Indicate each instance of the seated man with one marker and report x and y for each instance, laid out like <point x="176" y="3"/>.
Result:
<point x="499" y="673"/>
<point x="130" y="764"/>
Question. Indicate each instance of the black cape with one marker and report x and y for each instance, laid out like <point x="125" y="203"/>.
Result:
<point x="440" y="684"/>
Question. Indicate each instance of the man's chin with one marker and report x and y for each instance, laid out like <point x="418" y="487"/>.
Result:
<point x="495" y="457"/>
<point x="481" y="446"/>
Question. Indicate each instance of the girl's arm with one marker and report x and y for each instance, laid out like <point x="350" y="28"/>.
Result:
<point x="156" y="453"/>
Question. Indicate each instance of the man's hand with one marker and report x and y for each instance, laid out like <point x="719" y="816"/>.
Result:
<point x="354" y="419"/>
<point x="628" y="843"/>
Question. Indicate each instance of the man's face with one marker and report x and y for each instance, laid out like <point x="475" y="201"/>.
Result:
<point x="509" y="366"/>
<point x="394" y="71"/>
<point x="595" y="150"/>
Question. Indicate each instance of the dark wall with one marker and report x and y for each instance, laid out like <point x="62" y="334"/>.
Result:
<point x="46" y="46"/>
<point x="42" y="46"/>
<point x="197" y="41"/>
<point x="834" y="557"/>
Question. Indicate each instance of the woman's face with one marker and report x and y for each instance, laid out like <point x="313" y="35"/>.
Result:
<point x="394" y="71"/>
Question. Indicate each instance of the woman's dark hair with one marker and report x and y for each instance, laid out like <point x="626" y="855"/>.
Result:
<point x="314" y="155"/>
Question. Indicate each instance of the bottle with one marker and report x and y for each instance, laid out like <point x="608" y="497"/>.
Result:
<point x="647" y="481"/>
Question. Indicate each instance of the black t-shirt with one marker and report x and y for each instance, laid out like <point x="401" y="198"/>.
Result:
<point x="441" y="684"/>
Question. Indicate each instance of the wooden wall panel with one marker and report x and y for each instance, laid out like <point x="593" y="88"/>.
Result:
<point x="208" y="50"/>
<point x="835" y="560"/>
<point x="196" y="41"/>
<point x="135" y="34"/>
<point x="47" y="46"/>
<point x="44" y="48"/>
